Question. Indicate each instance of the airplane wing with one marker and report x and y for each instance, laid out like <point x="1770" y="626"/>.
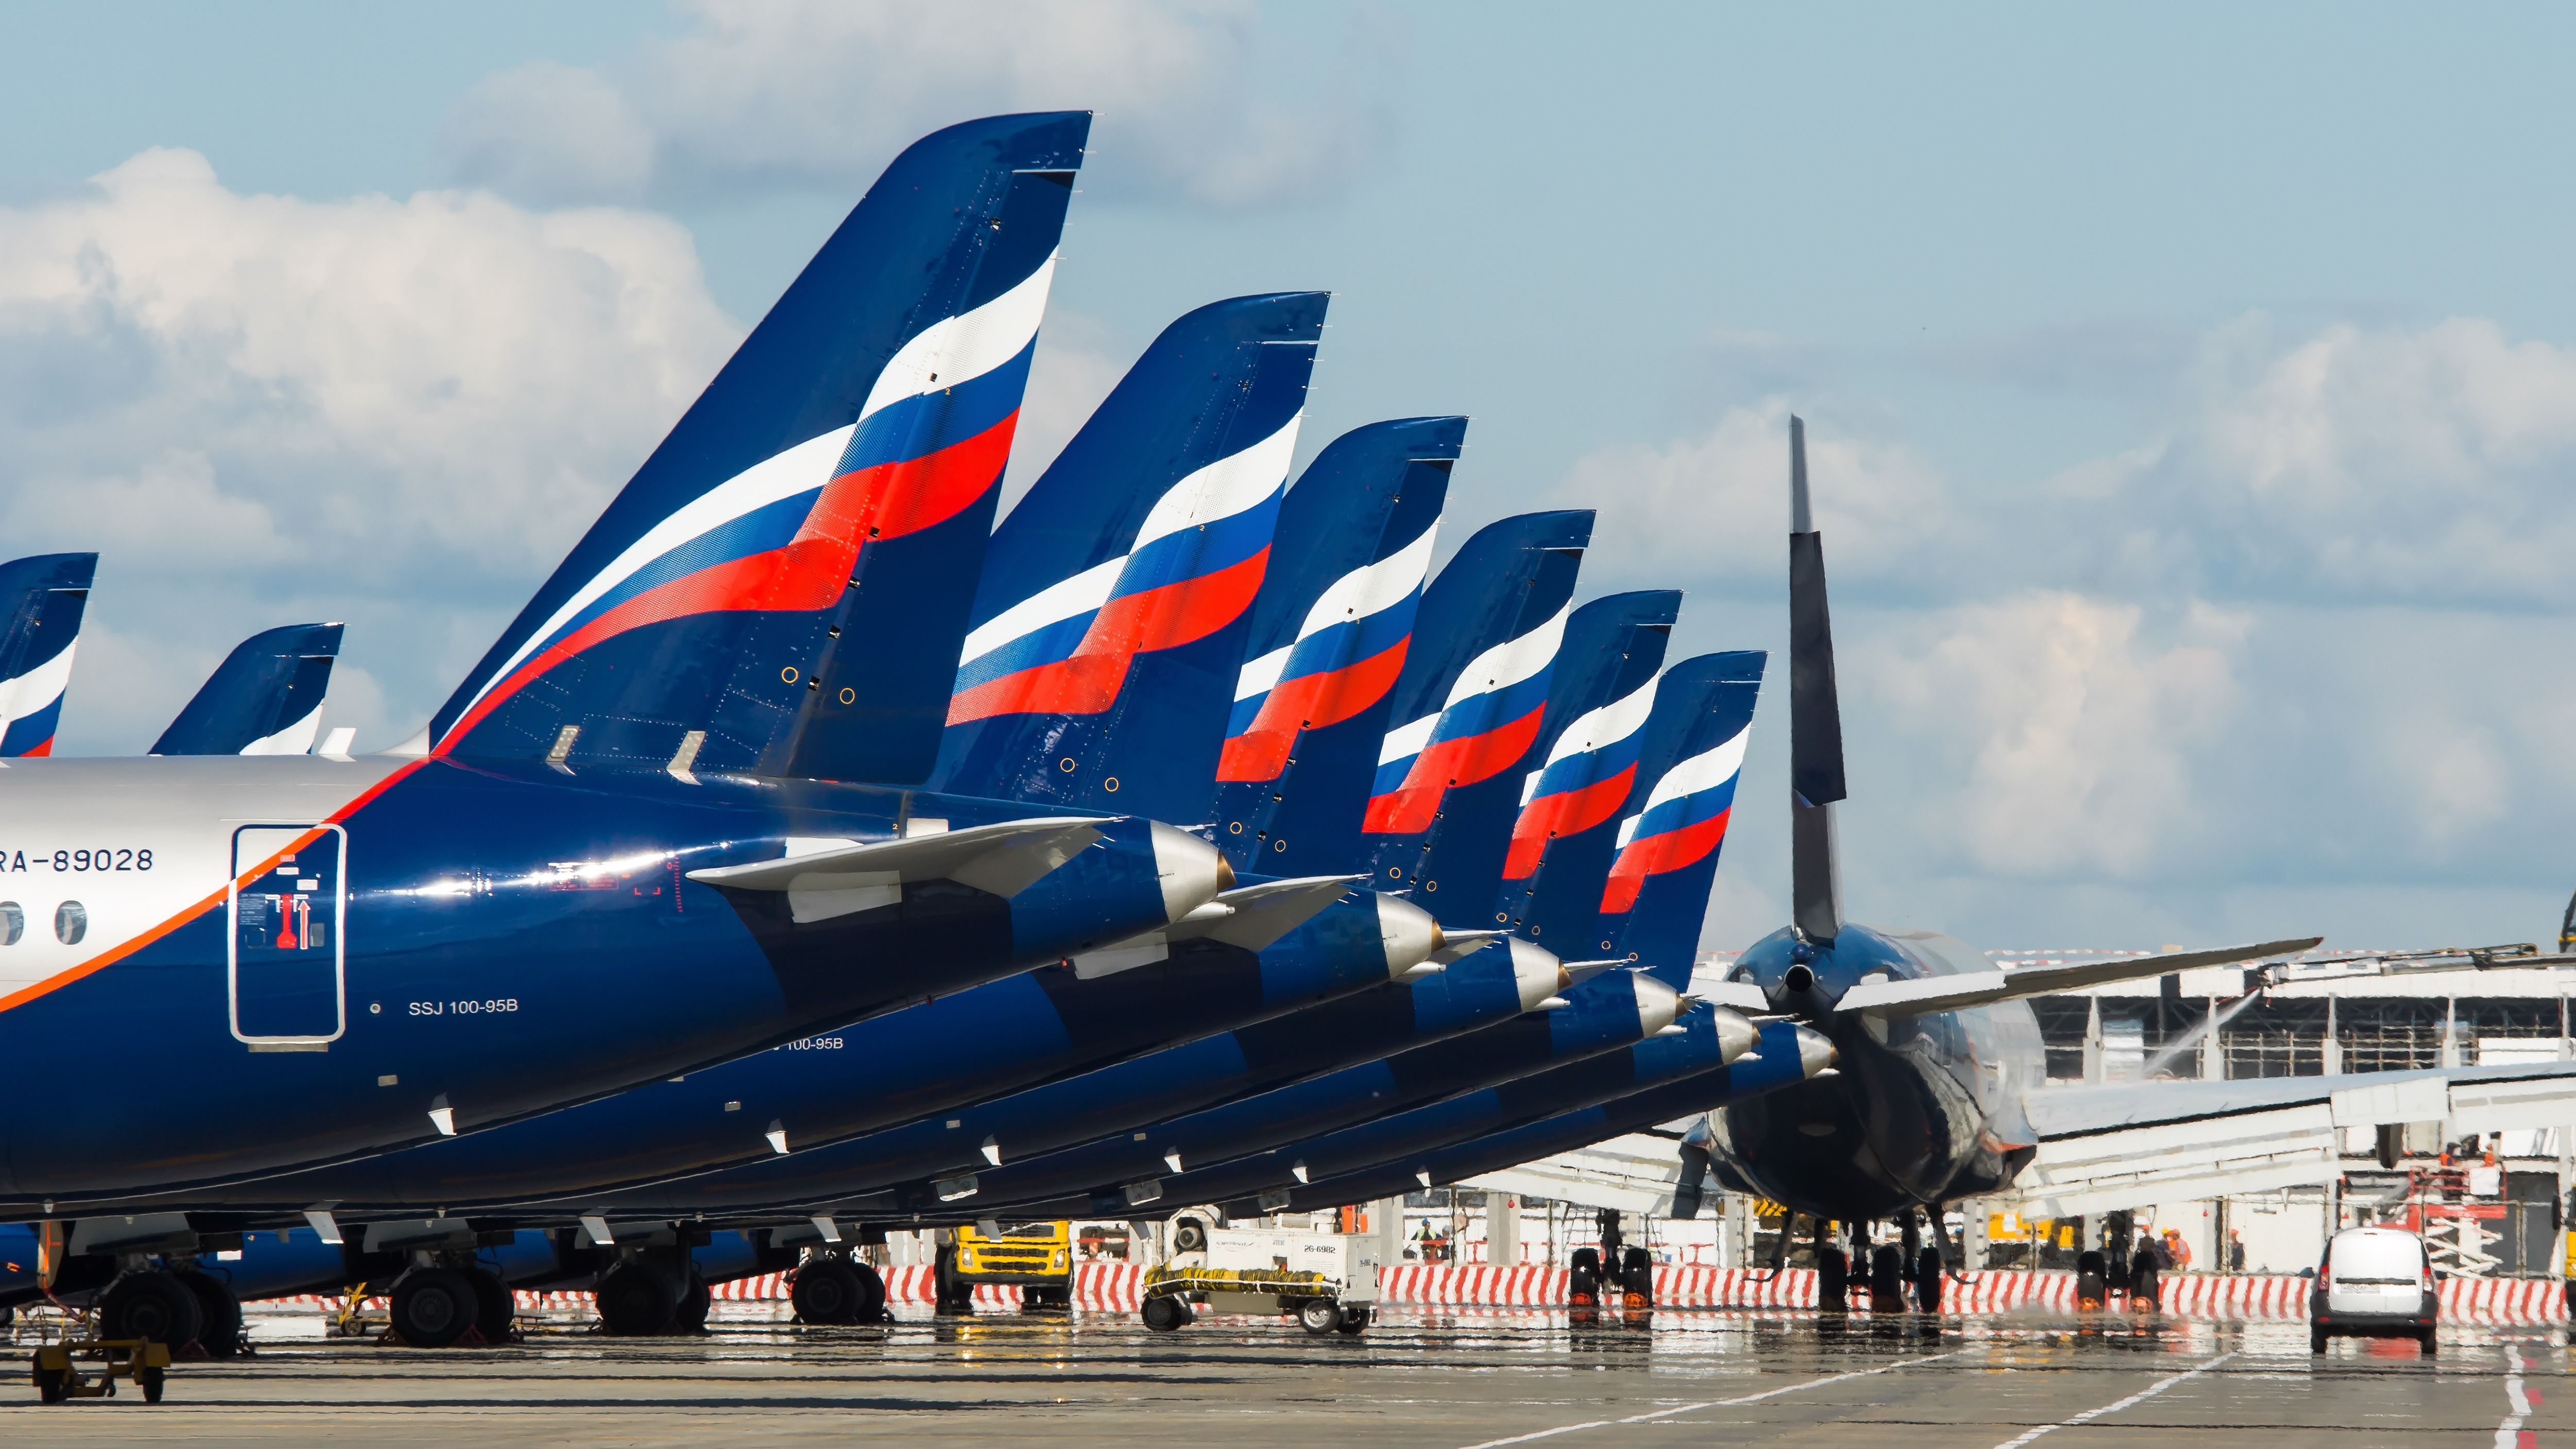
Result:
<point x="833" y="878"/>
<point x="1979" y="988"/>
<point x="2117" y="1146"/>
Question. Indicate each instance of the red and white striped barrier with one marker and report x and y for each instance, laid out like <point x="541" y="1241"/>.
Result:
<point x="2485" y="1301"/>
<point x="1119" y="1288"/>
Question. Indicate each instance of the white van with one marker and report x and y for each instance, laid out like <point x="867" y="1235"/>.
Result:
<point x="2374" y="1283"/>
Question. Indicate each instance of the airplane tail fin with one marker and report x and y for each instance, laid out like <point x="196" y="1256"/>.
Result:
<point x="1332" y="627"/>
<point x="1473" y="710"/>
<point x="1109" y="627"/>
<point x="1589" y="747"/>
<point x="819" y="516"/>
<point x="264" y="699"/>
<point x="43" y="597"/>
<point x="1674" y="819"/>
<point x="1815" y="718"/>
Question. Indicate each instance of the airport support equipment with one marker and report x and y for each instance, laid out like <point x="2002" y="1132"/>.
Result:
<point x="1037" y="1258"/>
<point x="58" y="1376"/>
<point x="1326" y="1281"/>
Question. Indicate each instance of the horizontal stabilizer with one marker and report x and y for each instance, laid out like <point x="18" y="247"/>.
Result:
<point x="844" y="876"/>
<point x="1741" y="996"/>
<point x="1978" y="988"/>
<point x="1459" y="945"/>
<point x="1253" y="916"/>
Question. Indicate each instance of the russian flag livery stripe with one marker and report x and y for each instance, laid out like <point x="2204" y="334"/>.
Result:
<point x="1348" y="653"/>
<point x="876" y="401"/>
<point x="31" y="707"/>
<point x="785" y="534"/>
<point x="45" y="596"/>
<point x="1488" y="723"/>
<point x="1684" y="819"/>
<point x="1194" y="568"/>
<point x="1587" y="777"/>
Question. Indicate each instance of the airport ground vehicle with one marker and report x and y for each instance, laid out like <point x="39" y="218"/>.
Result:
<point x="1036" y="1258"/>
<point x="1327" y="1281"/>
<point x="2373" y="1283"/>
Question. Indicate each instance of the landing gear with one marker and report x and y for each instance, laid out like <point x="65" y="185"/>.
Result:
<point x="695" y="1305"/>
<point x="950" y="1293"/>
<point x="1637" y="1279"/>
<point x="219" y="1314"/>
<point x="635" y="1301"/>
<point x="496" y="1308"/>
<point x="2092" y="1281"/>
<point x="433" y="1307"/>
<point x="153" y="1305"/>
<point x="1583" y="1281"/>
<point x="835" y="1292"/>
<point x="1833" y="1272"/>
<point x="1929" y="1274"/>
<point x="2144" y="1288"/>
<point x="1886" y="1278"/>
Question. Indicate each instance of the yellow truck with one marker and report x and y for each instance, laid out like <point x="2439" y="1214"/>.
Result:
<point x="1036" y="1258"/>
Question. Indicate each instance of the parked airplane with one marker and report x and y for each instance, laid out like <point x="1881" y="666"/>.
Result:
<point x="264" y="699"/>
<point x="578" y="878"/>
<point x="1614" y="1010"/>
<point x="1937" y="1050"/>
<point x="44" y="595"/>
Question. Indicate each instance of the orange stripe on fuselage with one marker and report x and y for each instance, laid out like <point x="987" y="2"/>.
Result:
<point x="105" y="959"/>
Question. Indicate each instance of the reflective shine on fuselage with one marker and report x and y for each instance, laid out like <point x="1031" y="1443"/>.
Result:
<point x="1922" y="1109"/>
<point x="482" y="939"/>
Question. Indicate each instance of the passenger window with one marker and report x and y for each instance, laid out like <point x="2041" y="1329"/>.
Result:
<point x="71" y="922"/>
<point x="13" y="923"/>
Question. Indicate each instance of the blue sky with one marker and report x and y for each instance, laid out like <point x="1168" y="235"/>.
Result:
<point x="2191" y="386"/>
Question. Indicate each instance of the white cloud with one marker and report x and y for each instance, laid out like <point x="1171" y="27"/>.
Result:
<point x="1711" y="511"/>
<point x="819" y="93"/>
<point x="2357" y="464"/>
<point x="263" y="409"/>
<point x="2041" y="735"/>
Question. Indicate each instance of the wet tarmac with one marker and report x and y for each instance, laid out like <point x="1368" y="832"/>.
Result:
<point x="1441" y="1378"/>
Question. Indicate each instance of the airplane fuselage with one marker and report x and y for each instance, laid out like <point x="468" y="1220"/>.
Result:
<point x="226" y="966"/>
<point x="1922" y="1109"/>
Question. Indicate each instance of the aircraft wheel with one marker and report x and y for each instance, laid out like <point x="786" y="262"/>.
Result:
<point x="950" y="1293"/>
<point x="151" y="1305"/>
<point x="829" y="1293"/>
<point x="691" y="1314"/>
<point x="432" y="1307"/>
<point x="1928" y="1279"/>
<point x="1637" y="1273"/>
<point x="219" y="1314"/>
<point x="1166" y="1313"/>
<point x="1319" y="1315"/>
<point x="1886" y="1277"/>
<point x="1833" y="1281"/>
<point x="496" y="1308"/>
<point x="635" y="1302"/>
<point x="2145" y="1285"/>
